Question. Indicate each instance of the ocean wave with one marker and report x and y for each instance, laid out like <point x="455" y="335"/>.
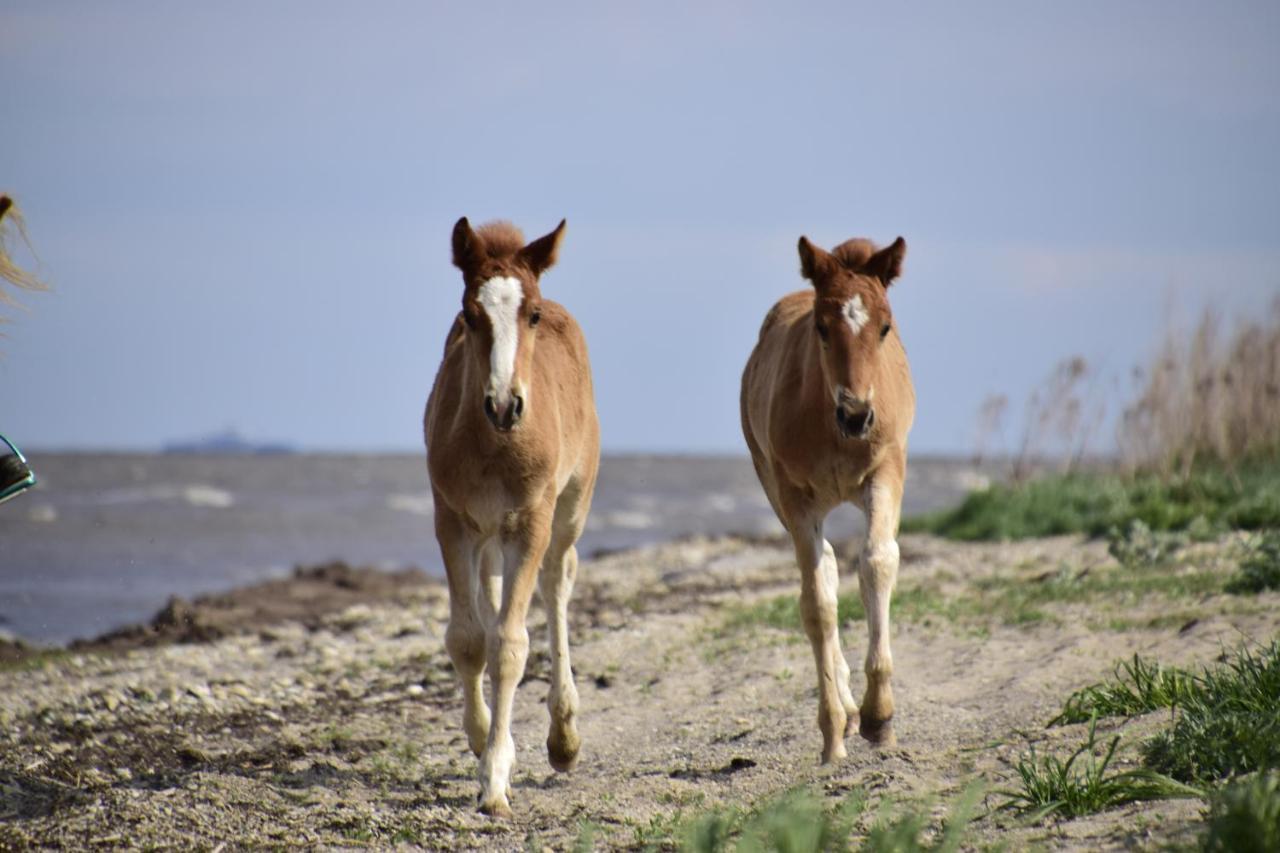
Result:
<point x="194" y="494"/>
<point x="720" y="502"/>
<point x="972" y="481"/>
<point x="43" y="513"/>
<point x="629" y="520"/>
<point x="210" y="496"/>
<point x="417" y="504"/>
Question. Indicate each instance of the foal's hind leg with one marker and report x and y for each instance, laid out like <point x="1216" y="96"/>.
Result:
<point x="877" y="575"/>
<point x="464" y="638"/>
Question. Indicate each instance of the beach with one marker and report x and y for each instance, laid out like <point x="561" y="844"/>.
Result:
<point x="340" y="725"/>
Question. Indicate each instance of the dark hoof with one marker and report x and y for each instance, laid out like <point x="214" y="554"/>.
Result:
<point x="497" y="809"/>
<point x="563" y="754"/>
<point x="878" y="733"/>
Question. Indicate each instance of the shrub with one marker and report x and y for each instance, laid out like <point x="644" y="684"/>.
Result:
<point x="1261" y="569"/>
<point x="1083" y="784"/>
<point x="1245" y="817"/>
<point x="1139" y="686"/>
<point x="1228" y="725"/>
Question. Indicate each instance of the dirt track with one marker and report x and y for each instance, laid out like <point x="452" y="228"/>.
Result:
<point x="346" y="730"/>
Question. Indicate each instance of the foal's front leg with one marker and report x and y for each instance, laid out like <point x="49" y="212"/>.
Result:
<point x="507" y="647"/>
<point x="877" y="575"/>
<point x="818" y="611"/>
<point x="465" y="636"/>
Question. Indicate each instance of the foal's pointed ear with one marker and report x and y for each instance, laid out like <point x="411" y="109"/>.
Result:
<point x="467" y="250"/>
<point x="540" y="255"/>
<point x="886" y="264"/>
<point x="814" y="260"/>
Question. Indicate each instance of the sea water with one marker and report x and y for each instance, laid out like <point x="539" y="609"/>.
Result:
<point x="105" y="539"/>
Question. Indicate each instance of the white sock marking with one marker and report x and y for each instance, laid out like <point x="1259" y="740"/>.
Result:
<point x="500" y="297"/>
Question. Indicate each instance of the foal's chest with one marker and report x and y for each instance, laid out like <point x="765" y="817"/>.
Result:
<point x="838" y="477"/>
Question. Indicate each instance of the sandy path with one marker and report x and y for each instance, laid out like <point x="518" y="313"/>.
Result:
<point x="348" y="732"/>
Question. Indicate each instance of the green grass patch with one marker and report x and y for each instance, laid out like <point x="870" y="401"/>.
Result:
<point x="800" y="821"/>
<point x="1229" y="725"/>
<point x="1245" y="817"/>
<point x="1139" y="686"/>
<point x="1226" y="718"/>
<point x="1018" y="601"/>
<point x="783" y="612"/>
<point x="1137" y="545"/>
<point x="1260" y="570"/>
<point x="1084" y="783"/>
<point x="1209" y="499"/>
<point x="38" y="659"/>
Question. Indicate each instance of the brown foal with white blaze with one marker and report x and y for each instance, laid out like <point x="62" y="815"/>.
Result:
<point x="827" y="402"/>
<point x="513" y="445"/>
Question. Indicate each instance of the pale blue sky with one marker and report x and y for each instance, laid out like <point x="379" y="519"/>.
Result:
<point x="245" y="208"/>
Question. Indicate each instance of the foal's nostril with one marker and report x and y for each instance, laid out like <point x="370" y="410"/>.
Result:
<point x="855" y="423"/>
<point x="506" y="417"/>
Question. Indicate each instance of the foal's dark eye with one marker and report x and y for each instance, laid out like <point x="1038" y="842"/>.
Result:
<point x="534" y="318"/>
<point x="884" y="331"/>
<point x="469" y="320"/>
<point x="822" y="332"/>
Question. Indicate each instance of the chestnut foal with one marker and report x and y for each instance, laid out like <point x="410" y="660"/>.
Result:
<point x="513" y="444"/>
<point x="827" y="403"/>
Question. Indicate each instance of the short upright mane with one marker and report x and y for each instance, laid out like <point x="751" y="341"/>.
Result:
<point x="854" y="254"/>
<point x="501" y="239"/>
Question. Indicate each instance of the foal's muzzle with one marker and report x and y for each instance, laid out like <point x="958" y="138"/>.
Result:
<point x="855" y="421"/>
<point x="507" y="416"/>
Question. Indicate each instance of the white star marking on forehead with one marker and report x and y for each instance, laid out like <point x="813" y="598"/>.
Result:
<point x="856" y="313"/>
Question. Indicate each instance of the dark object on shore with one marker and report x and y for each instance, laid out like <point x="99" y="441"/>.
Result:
<point x="310" y="594"/>
<point x="16" y="475"/>
<point x="13" y="650"/>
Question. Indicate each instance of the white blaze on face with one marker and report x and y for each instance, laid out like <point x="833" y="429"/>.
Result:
<point x="500" y="297"/>
<point x="856" y="313"/>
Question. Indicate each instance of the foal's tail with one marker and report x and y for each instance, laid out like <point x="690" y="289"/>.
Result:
<point x="10" y="223"/>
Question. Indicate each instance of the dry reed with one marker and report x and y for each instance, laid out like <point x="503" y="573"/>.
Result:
<point x="1208" y="397"/>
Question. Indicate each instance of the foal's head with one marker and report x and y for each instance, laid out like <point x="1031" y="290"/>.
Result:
<point x="852" y="321"/>
<point x="501" y="307"/>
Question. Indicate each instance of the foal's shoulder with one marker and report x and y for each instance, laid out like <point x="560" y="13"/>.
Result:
<point x="787" y="310"/>
<point x="557" y="319"/>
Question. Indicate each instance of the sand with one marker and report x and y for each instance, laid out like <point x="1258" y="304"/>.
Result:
<point x="340" y="725"/>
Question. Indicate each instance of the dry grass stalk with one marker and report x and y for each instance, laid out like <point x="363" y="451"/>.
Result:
<point x="1207" y="397"/>
<point x="1061" y="418"/>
